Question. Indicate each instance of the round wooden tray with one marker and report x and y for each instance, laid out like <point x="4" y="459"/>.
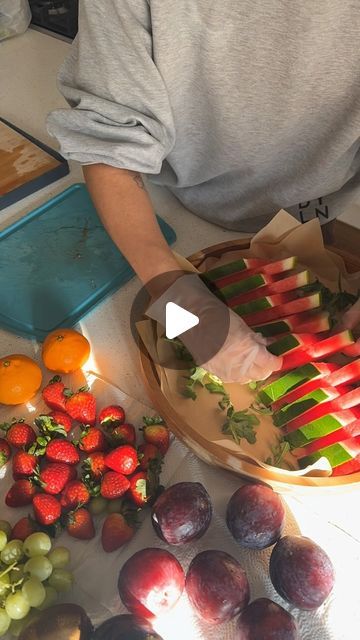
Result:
<point x="212" y="453"/>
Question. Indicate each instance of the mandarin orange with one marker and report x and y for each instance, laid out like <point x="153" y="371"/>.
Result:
<point x="20" y="379"/>
<point x="65" y="350"/>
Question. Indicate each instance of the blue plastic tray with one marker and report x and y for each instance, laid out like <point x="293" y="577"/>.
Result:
<point x="58" y="263"/>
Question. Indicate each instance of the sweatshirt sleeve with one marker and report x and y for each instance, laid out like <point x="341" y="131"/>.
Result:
<point x="120" y="112"/>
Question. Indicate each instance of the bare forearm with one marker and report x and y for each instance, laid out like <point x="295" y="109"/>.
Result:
<point x="126" y="211"/>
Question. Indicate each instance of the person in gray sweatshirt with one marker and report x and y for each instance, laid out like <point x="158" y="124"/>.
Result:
<point x="239" y="107"/>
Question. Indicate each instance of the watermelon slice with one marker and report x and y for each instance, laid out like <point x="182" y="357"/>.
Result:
<point x="281" y="311"/>
<point x="344" y="432"/>
<point x="269" y="285"/>
<point x="286" y="415"/>
<point x="292" y="380"/>
<point x="292" y="342"/>
<point x="265" y="303"/>
<point x="327" y="347"/>
<point x="270" y="268"/>
<point x="303" y="412"/>
<point x="312" y="432"/>
<point x="233" y="267"/>
<point x="308" y="322"/>
<point x="297" y="393"/>
<point x="349" y="373"/>
<point x="344" y="457"/>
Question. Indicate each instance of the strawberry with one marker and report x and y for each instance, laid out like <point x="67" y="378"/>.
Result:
<point x="80" y="525"/>
<point x="114" y="485"/>
<point x="5" y="452"/>
<point x="111" y="416"/>
<point x="124" y="460"/>
<point x="62" y="419"/>
<point x="23" y="465"/>
<point x="21" y="493"/>
<point x="150" y="456"/>
<point x="94" y="465"/>
<point x="74" y="495"/>
<point x="53" y="394"/>
<point x="19" y="434"/>
<point x="54" y="477"/>
<point x="92" y="439"/>
<point x="123" y="434"/>
<point x="156" y="432"/>
<point x="81" y="406"/>
<point x="139" y="491"/>
<point x="23" y="528"/>
<point x="47" y="509"/>
<point x="115" y="532"/>
<point x="61" y="450"/>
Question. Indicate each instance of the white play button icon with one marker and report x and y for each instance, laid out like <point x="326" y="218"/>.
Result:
<point x="178" y="320"/>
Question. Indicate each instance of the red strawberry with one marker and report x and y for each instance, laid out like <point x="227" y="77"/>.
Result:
<point x="157" y="433"/>
<point x="114" y="485"/>
<point x="81" y="406"/>
<point x="74" y="495"/>
<point x="53" y="394"/>
<point x="150" y="456"/>
<point x="21" y="493"/>
<point x="23" y="465"/>
<point x="123" y="434"/>
<point x="62" y="419"/>
<point x="92" y="439"/>
<point x="111" y="416"/>
<point x="61" y="450"/>
<point x="54" y="477"/>
<point x="47" y="509"/>
<point x="94" y="465"/>
<point x="80" y="525"/>
<point x="19" y="434"/>
<point x="124" y="460"/>
<point x="5" y="452"/>
<point x="115" y="532"/>
<point x="139" y="491"/>
<point x="23" y="528"/>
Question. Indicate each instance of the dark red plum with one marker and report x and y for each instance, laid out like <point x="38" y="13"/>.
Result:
<point x="255" y="516"/>
<point x="217" y="586"/>
<point x="182" y="513"/>
<point x="126" y="627"/>
<point x="151" y="582"/>
<point x="301" y="572"/>
<point x="264" y="619"/>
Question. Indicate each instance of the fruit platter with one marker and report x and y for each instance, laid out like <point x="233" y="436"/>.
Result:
<point x="299" y="429"/>
<point x="111" y="529"/>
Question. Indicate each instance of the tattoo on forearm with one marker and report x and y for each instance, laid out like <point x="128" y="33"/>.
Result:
<point x="139" y="181"/>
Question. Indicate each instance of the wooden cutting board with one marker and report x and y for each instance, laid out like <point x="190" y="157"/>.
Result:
<point x="21" y="160"/>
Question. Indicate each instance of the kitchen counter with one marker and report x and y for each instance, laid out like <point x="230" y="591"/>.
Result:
<point x="28" y="67"/>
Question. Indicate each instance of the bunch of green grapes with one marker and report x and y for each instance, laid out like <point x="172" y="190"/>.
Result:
<point x="32" y="574"/>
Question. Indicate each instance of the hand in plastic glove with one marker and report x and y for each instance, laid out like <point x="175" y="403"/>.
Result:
<point x="221" y="343"/>
<point x="351" y="320"/>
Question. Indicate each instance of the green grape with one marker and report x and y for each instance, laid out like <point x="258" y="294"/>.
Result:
<point x="50" y="598"/>
<point x="4" y="622"/>
<point x="6" y="527"/>
<point x="17" y="573"/>
<point x="97" y="505"/>
<point x="39" y="567"/>
<point x="115" y="506"/>
<point x="3" y="540"/>
<point x="34" y="592"/>
<point x="4" y="584"/>
<point x="37" y="544"/>
<point x="16" y="606"/>
<point x="61" y="580"/>
<point x="12" y="552"/>
<point x="59" y="557"/>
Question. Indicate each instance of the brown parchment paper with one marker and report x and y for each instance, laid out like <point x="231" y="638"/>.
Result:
<point x="283" y="237"/>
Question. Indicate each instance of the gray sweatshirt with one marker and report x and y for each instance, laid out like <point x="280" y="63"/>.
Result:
<point x="239" y="107"/>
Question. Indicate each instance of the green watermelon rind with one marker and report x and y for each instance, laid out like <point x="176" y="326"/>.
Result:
<point x="225" y="270"/>
<point x="299" y="407"/>
<point x="335" y="453"/>
<point x="291" y="380"/>
<point x="284" y="345"/>
<point x="313" y="430"/>
<point x="243" y="286"/>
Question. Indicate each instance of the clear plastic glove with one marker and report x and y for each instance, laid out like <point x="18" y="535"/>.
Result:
<point x="221" y="343"/>
<point x="351" y="321"/>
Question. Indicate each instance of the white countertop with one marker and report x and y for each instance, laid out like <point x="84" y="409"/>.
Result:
<point x="28" y="67"/>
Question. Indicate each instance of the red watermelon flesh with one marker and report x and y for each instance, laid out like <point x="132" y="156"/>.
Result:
<point x="289" y="308"/>
<point x="349" y="373"/>
<point x="347" y="431"/>
<point x="272" y="285"/>
<point x="240" y="265"/>
<point x="324" y="348"/>
<point x="270" y="268"/>
<point x="323" y="408"/>
<point x="307" y="322"/>
<point x="327" y="425"/>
